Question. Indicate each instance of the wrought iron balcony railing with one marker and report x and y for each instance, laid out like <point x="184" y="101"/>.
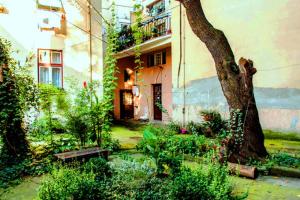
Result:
<point x="152" y="28"/>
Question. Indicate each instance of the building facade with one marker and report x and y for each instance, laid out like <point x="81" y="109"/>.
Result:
<point x="178" y="78"/>
<point x="267" y="33"/>
<point x="255" y="30"/>
<point x="57" y="32"/>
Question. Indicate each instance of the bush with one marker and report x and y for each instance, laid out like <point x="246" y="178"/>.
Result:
<point x="40" y="128"/>
<point x="213" y="123"/>
<point x="194" y="145"/>
<point x="66" y="183"/>
<point x="174" y="127"/>
<point x="168" y="163"/>
<point x="154" y="188"/>
<point x="81" y="183"/>
<point x="194" y="128"/>
<point x="211" y="183"/>
<point x="12" y="174"/>
<point x="133" y="181"/>
<point x="77" y="125"/>
<point x="284" y="159"/>
<point x="111" y="144"/>
<point x="161" y="130"/>
<point x="99" y="167"/>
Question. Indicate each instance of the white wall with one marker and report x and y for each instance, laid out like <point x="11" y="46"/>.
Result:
<point x="20" y="26"/>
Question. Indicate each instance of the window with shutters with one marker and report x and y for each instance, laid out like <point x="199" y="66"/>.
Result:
<point x="156" y="59"/>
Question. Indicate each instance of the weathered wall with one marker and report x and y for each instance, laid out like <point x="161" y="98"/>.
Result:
<point x="143" y="105"/>
<point x="20" y="26"/>
<point x="268" y="32"/>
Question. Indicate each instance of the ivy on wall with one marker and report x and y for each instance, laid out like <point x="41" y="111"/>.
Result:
<point x="18" y="94"/>
<point x="137" y="31"/>
<point x="109" y="78"/>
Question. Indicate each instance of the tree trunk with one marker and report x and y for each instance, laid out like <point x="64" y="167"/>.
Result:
<point x="236" y="82"/>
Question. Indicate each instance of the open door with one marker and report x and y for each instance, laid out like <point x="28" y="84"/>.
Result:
<point x="157" y="99"/>
<point x="126" y="104"/>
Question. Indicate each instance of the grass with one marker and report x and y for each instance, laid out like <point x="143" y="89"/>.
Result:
<point x="27" y="190"/>
<point x="273" y="188"/>
<point x="128" y="137"/>
<point x="276" y="145"/>
<point x="291" y="136"/>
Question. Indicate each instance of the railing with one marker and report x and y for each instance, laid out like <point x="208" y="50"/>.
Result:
<point x="153" y="27"/>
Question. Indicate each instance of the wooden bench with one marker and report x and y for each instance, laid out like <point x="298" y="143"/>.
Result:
<point x="83" y="154"/>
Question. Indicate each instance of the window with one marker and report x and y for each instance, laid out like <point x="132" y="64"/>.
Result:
<point x="156" y="59"/>
<point x="50" y="67"/>
<point x="56" y="57"/>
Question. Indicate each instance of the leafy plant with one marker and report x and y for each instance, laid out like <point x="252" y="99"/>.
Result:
<point x="169" y="163"/>
<point x="284" y="159"/>
<point x="17" y="96"/>
<point x="137" y="31"/>
<point x="213" y="123"/>
<point x="78" y="126"/>
<point x="174" y="127"/>
<point x="52" y="99"/>
<point x="109" y="78"/>
<point x="194" y="128"/>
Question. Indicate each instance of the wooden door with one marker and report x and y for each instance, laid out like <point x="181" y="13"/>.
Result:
<point x="157" y="99"/>
<point x="126" y="104"/>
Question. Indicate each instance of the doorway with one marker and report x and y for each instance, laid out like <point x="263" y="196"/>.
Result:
<point x="157" y="99"/>
<point x="126" y="104"/>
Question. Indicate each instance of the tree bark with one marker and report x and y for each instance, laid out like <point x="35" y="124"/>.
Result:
<point x="236" y="83"/>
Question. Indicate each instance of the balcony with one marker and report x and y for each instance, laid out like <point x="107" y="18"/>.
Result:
<point x="154" y="29"/>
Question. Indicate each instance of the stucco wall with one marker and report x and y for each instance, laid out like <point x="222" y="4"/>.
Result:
<point x="268" y="32"/>
<point x="143" y="104"/>
<point x="20" y="26"/>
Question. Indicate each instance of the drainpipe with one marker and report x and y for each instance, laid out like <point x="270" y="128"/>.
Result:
<point x="90" y="39"/>
<point x="184" y="75"/>
<point x="179" y="67"/>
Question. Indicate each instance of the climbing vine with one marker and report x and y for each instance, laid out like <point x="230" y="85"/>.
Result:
<point x="137" y="31"/>
<point x="109" y="78"/>
<point x="236" y="127"/>
<point x="49" y="96"/>
<point x="235" y="136"/>
<point x="17" y="96"/>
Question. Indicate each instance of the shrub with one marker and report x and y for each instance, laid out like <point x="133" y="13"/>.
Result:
<point x="194" y="128"/>
<point x="12" y="174"/>
<point x="78" y="126"/>
<point x="154" y="188"/>
<point x="174" y="127"/>
<point x="160" y="130"/>
<point x="284" y="159"/>
<point x="169" y="163"/>
<point x="211" y="183"/>
<point x="133" y="180"/>
<point x="99" y="167"/>
<point x="111" y="144"/>
<point x="213" y="123"/>
<point x="194" y="145"/>
<point x="41" y="128"/>
<point x="65" y="183"/>
<point x="83" y="183"/>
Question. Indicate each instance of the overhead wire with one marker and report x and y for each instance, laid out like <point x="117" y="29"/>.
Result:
<point x="78" y="27"/>
<point x="100" y="39"/>
<point x="86" y="11"/>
